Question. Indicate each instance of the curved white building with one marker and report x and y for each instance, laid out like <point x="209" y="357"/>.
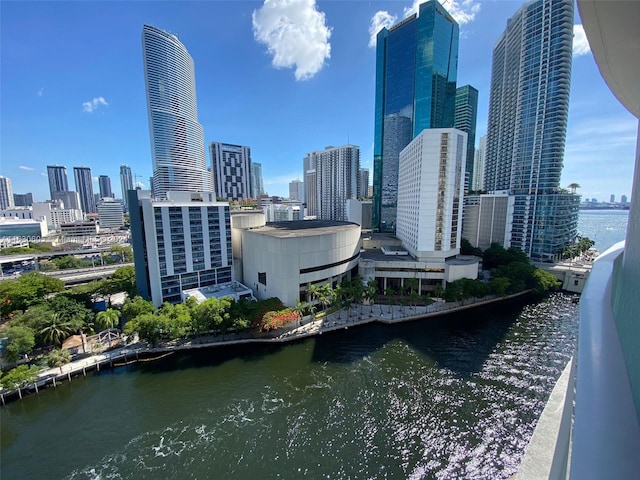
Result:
<point x="177" y="139"/>
<point x="284" y="259"/>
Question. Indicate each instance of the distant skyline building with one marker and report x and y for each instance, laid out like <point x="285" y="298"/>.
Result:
<point x="104" y="184"/>
<point x="126" y="183"/>
<point x="416" y="72"/>
<point x="478" y="165"/>
<point x="466" y="115"/>
<point x="231" y="170"/>
<point x="430" y="193"/>
<point x="528" y="108"/>
<point x="296" y="190"/>
<point x="179" y="243"/>
<point x="6" y="193"/>
<point x="623" y="199"/>
<point x="23" y="199"/>
<point x="110" y="214"/>
<point x="58" y="181"/>
<point x="177" y="139"/>
<point x="612" y="199"/>
<point x="70" y="199"/>
<point x="308" y="171"/>
<point x="257" y="185"/>
<point x="364" y="183"/>
<point x="84" y="187"/>
<point x="336" y="177"/>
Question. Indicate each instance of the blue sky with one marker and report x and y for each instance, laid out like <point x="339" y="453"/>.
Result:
<point x="72" y="85"/>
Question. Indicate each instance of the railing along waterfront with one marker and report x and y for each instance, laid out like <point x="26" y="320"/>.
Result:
<point x="590" y="427"/>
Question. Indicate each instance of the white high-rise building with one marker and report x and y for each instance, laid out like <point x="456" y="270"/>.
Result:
<point x="430" y="193"/>
<point x="231" y="169"/>
<point x="528" y="110"/>
<point x="296" y="190"/>
<point x="337" y="171"/>
<point x="478" y="165"/>
<point x="110" y="214"/>
<point x="56" y="214"/>
<point x="179" y="243"/>
<point x="177" y="139"/>
<point x="6" y="193"/>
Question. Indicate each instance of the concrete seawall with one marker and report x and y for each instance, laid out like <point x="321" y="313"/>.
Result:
<point x="309" y="327"/>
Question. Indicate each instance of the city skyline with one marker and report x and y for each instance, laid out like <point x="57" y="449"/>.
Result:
<point x="81" y="106"/>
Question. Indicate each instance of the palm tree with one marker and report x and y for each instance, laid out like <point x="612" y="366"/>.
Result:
<point x="58" y="358"/>
<point x="108" y="319"/>
<point x="56" y="330"/>
<point x="370" y="292"/>
<point x="573" y="187"/>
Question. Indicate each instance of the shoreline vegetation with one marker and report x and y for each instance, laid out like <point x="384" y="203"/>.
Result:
<point x="45" y="326"/>
<point x="306" y="327"/>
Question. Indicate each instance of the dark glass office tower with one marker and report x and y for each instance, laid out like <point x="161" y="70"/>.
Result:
<point x="465" y="120"/>
<point x="416" y="70"/>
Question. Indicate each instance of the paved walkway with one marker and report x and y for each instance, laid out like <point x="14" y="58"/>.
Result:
<point x="308" y="327"/>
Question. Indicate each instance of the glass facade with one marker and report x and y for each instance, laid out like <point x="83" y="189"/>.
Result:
<point x="84" y="187"/>
<point x="466" y="114"/>
<point x="528" y="109"/>
<point x="177" y="139"/>
<point x="416" y="70"/>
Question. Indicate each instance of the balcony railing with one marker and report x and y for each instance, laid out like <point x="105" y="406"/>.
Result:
<point x="589" y="428"/>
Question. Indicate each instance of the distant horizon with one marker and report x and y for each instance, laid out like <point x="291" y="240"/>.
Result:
<point x="74" y="95"/>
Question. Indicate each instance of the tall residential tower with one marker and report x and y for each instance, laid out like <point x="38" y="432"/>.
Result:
<point x="231" y="169"/>
<point x="416" y="71"/>
<point x="528" y="108"/>
<point x="177" y="139"/>
<point x="126" y="182"/>
<point x="57" y="179"/>
<point x="465" y="120"/>
<point x="84" y="187"/>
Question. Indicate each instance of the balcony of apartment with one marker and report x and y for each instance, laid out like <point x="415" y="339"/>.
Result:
<point x="590" y="427"/>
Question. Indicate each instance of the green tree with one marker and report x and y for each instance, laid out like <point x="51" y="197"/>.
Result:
<point x="371" y="292"/>
<point x="20" y="341"/>
<point x="18" y="377"/>
<point x="124" y="280"/>
<point x="180" y="321"/>
<point x="74" y="313"/>
<point x="212" y="315"/>
<point x="57" y="358"/>
<point x="124" y="252"/>
<point x="325" y="295"/>
<point x="133" y="307"/>
<point x="109" y="318"/>
<point x="545" y="281"/>
<point x="150" y="327"/>
<point x="29" y="289"/>
<point x="467" y="249"/>
<point x="56" y="330"/>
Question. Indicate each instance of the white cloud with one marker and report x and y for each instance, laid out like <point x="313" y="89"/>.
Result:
<point x="24" y="167"/>
<point x="295" y="33"/>
<point x="379" y="20"/>
<point x="463" y="11"/>
<point x="92" y="105"/>
<point x="580" y="42"/>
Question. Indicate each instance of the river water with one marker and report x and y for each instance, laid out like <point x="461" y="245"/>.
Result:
<point x="454" y="397"/>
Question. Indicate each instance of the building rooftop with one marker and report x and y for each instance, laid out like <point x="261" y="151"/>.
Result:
<point x="302" y="228"/>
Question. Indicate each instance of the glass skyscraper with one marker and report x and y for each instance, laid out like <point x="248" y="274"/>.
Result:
<point x="528" y="109"/>
<point x="416" y="70"/>
<point x="465" y="119"/>
<point x="84" y="187"/>
<point x="104" y="184"/>
<point x="57" y="179"/>
<point x="126" y="182"/>
<point x="177" y="139"/>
